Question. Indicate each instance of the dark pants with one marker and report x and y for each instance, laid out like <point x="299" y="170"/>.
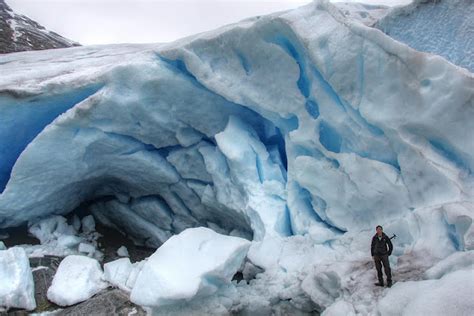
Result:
<point x="379" y="260"/>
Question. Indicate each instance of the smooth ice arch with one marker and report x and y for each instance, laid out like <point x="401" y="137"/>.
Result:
<point x="297" y="122"/>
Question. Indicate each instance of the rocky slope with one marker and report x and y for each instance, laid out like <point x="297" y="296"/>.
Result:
<point x="20" y="33"/>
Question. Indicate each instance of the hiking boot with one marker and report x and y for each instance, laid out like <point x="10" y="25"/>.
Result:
<point x="379" y="283"/>
<point x="389" y="284"/>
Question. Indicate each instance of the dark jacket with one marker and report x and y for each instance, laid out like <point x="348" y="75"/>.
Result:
<point x="381" y="247"/>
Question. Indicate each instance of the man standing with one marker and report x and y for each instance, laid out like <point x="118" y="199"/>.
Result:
<point x="382" y="248"/>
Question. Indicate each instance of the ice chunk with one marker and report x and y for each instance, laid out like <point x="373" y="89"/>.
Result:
<point x="86" y="248"/>
<point x="51" y="228"/>
<point x="76" y="222"/>
<point x="194" y="263"/>
<point x="2" y="246"/>
<point x="77" y="279"/>
<point x="60" y="239"/>
<point x="16" y="280"/>
<point x="88" y="224"/>
<point x="123" y="252"/>
<point x="69" y="241"/>
<point x="117" y="272"/>
<point x="136" y="268"/>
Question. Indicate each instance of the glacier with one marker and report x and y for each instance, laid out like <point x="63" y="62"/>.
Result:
<point x="299" y="131"/>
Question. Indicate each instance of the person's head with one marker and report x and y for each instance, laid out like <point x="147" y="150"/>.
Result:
<point x="379" y="230"/>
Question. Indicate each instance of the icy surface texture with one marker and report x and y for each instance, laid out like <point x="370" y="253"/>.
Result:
<point x="364" y="13"/>
<point x="441" y="27"/>
<point x="193" y="264"/>
<point x="16" y="280"/>
<point x="77" y="279"/>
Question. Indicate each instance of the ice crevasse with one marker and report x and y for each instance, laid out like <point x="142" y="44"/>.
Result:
<point x="300" y="122"/>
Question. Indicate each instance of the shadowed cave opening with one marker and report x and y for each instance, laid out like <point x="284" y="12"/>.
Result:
<point x="148" y="219"/>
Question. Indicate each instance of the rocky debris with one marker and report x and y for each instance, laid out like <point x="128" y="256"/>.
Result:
<point x="106" y="303"/>
<point x="110" y="240"/>
<point x="43" y="273"/>
<point x="20" y="33"/>
<point x="17" y="235"/>
<point x="13" y="312"/>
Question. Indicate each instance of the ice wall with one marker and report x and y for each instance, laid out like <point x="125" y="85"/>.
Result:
<point x="297" y="122"/>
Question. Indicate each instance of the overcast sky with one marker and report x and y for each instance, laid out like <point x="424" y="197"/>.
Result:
<point x="146" y="21"/>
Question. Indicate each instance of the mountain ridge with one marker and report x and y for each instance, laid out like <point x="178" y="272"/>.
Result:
<point x="19" y="33"/>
